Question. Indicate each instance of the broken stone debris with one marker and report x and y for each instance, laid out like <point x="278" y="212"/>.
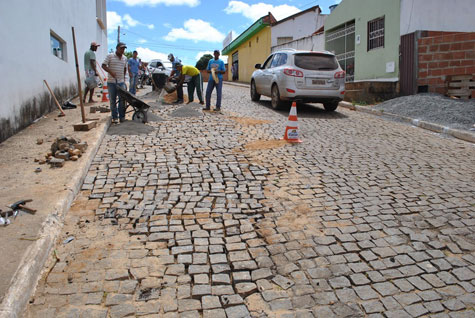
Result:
<point x="100" y="109"/>
<point x="64" y="149"/>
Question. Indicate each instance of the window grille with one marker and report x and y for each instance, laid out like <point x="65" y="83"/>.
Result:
<point x="376" y="33"/>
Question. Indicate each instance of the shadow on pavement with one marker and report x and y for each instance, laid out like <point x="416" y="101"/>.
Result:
<point x="129" y="128"/>
<point x="306" y="110"/>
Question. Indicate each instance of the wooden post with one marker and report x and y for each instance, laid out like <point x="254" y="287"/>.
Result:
<point x="85" y="125"/>
<point x="55" y="100"/>
<point x="83" y="114"/>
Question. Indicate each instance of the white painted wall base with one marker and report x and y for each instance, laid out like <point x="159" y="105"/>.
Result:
<point x="27" y="57"/>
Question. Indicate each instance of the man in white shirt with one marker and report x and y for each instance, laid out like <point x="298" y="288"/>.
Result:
<point x="116" y="65"/>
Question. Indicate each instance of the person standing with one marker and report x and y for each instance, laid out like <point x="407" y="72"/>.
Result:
<point x="195" y="81"/>
<point x="218" y="66"/>
<point x="133" y="67"/>
<point x="176" y="73"/>
<point x="116" y="65"/>
<point x="91" y="71"/>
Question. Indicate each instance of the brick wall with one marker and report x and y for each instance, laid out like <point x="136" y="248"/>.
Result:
<point x="442" y="54"/>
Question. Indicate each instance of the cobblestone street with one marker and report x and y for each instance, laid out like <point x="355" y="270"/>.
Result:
<point x="211" y="215"/>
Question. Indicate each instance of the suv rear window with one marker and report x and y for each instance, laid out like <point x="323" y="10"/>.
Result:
<point x="316" y="62"/>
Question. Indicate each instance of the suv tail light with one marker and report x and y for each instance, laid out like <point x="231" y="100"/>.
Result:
<point x="292" y="72"/>
<point x="340" y="74"/>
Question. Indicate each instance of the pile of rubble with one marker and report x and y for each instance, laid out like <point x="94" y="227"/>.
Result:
<point x="100" y="109"/>
<point x="63" y="149"/>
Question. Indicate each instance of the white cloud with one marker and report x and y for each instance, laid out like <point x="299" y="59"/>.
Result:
<point x="113" y="21"/>
<point x="255" y="11"/>
<point x="147" y="54"/>
<point x="167" y="25"/>
<point x="141" y="41"/>
<point x="153" y="3"/>
<point x="130" y="21"/>
<point x="195" y="30"/>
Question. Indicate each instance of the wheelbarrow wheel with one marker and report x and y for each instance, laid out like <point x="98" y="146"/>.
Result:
<point x="140" y="115"/>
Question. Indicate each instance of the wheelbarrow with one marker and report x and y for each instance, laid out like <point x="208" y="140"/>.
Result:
<point x="139" y="108"/>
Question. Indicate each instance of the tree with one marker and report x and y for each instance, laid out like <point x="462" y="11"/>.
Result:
<point x="128" y="55"/>
<point x="202" y="63"/>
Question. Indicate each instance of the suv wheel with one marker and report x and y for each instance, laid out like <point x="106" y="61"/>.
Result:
<point x="276" y="102"/>
<point x="330" y="106"/>
<point x="254" y="95"/>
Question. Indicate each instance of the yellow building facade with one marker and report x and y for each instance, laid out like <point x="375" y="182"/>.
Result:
<point x="248" y="49"/>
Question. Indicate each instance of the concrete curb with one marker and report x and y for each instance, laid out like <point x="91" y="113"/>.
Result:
<point x="237" y="84"/>
<point x="34" y="258"/>
<point x="456" y="133"/>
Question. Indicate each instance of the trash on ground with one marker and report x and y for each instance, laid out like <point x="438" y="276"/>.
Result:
<point x="68" y="239"/>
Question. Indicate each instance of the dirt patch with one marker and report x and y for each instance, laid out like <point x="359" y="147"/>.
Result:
<point x="170" y="98"/>
<point x="245" y="121"/>
<point x="265" y="144"/>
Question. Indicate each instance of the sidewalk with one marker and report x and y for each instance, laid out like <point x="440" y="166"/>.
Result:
<point x="28" y="239"/>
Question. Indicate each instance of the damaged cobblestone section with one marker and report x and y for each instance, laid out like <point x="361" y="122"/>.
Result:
<point x="352" y="234"/>
<point x="364" y="219"/>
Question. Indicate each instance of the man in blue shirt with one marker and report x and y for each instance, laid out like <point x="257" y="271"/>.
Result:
<point x="133" y="67"/>
<point x="217" y="66"/>
<point x="175" y="72"/>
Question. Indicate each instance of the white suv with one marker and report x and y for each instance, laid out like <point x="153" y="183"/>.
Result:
<point x="306" y="76"/>
<point x="159" y="66"/>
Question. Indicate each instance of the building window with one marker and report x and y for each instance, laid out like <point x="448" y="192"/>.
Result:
<point x="376" y="33"/>
<point x="284" y="39"/>
<point x="58" y="46"/>
<point x="257" y="39"/>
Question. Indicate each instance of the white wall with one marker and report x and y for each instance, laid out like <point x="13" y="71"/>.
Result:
<point x="309" y="43"/>
<point x="437" y="15"/>
<point x="299" y="27"/>
<point x="27" y="59"/>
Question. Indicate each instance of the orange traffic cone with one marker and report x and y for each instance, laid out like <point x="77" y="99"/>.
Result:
<point x="105" y="91"/>
<point x="292" y="130"/>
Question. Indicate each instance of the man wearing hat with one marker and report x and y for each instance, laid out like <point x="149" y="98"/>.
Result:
<point x="219" y="70"/>
<point x="91" y="71"/>
<point x="175" y="72"/>
<point x="195" y="81"/>
<point x="116" y="65"/>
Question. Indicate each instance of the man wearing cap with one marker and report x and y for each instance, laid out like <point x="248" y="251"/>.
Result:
<point x="175" y="72"/>
<point x="219" y="70"/>
<point x="133" y="65"/>
<point x="91" y="71"/>
<point x="116" y="65"/>
<point x="195" y="81"/>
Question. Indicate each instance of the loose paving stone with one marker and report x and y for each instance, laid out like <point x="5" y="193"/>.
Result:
<point x="214" y="313"/>
<point x="237" y="312"/>
<point x="188" y="305"/>
<point x="283" y="282"/>
<point x="210" y="302"/>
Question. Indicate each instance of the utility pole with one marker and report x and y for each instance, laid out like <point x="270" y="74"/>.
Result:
<point x="118" y="34"/>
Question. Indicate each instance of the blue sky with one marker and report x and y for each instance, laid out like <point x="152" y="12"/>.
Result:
<point x="190" y="28"/>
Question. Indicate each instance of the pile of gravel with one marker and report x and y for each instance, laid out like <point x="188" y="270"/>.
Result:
<point x="186" y="111"/>
<point x="434" y="108"/>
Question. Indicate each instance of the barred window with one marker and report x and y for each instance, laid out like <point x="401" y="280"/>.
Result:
<point x="376" y="33"/>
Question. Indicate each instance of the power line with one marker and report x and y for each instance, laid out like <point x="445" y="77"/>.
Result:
<point x="154" y="43"/>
